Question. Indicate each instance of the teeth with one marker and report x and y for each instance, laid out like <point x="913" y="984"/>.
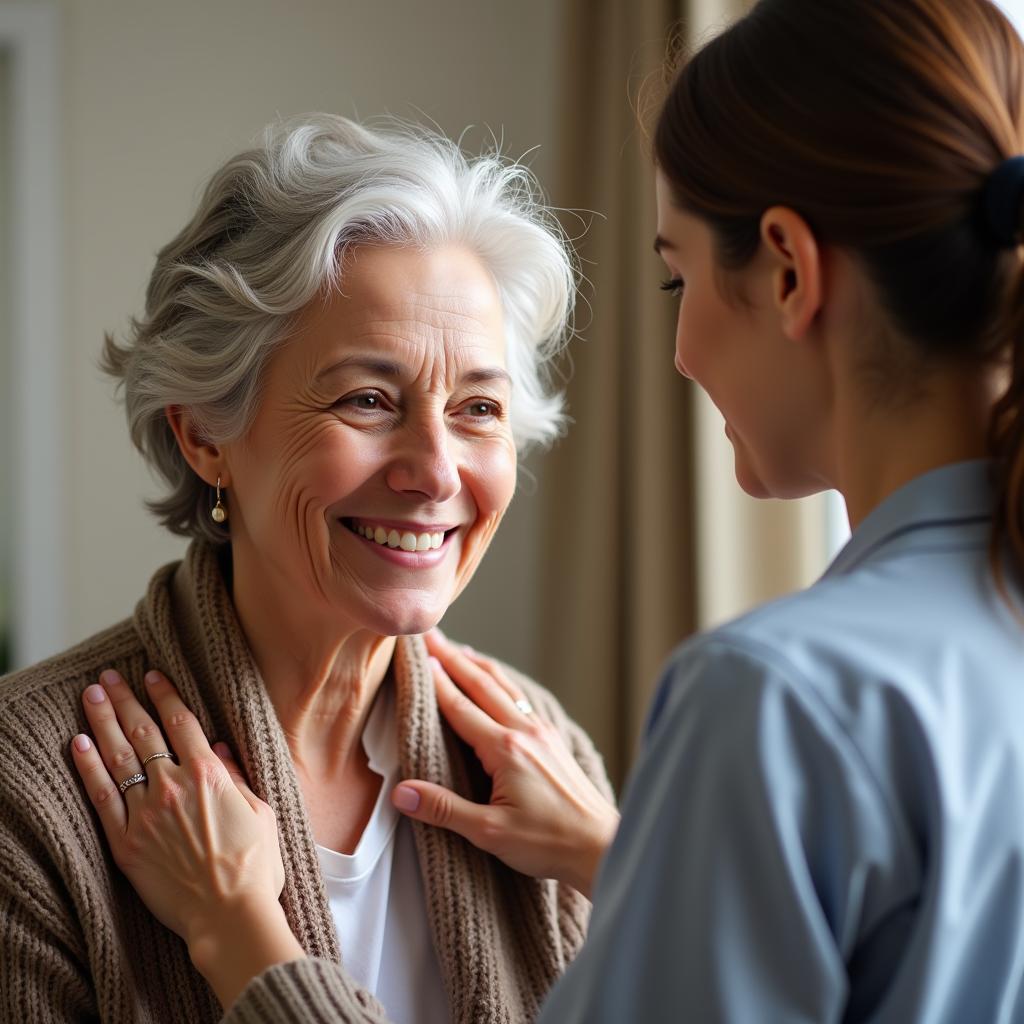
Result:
<point x="407" y="541"/>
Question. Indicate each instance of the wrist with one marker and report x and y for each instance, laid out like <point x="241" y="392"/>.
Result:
<point x="240" y="942"/>
<point x="591" y="854"/>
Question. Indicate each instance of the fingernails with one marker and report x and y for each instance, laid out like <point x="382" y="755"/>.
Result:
<point x="406" y="799"/>
<point x="466" y="649"/>
<point x="95" y="694"/>
<point x="433" y="662"/>
<point x="152" y="678"/>
<point x="109" y="677"/>
<point x="82" y="744"/>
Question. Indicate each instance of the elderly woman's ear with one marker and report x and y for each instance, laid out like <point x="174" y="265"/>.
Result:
<point x="205" y="458"/>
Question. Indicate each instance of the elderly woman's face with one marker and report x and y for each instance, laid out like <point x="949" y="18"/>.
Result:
<point x="381" y="459"/>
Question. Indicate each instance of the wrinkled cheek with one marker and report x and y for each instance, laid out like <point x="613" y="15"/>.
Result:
<point x="292" y="522"/>
<point x="478" y="540"/>
<point x="497" y="485"/>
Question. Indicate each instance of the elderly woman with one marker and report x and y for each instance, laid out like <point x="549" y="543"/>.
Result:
<point x="340" y="356"/>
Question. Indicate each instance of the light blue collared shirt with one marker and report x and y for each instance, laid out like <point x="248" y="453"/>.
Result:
<point x="827" y="820"/>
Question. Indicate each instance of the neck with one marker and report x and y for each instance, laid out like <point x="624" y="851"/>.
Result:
<point x="321" y="674"/>
<point x="879" y="449"/>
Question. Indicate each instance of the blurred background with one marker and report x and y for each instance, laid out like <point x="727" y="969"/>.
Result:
<point x="622" y="540"/>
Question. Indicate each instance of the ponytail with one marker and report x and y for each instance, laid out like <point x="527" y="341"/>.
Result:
<point x="1002" y="205"/>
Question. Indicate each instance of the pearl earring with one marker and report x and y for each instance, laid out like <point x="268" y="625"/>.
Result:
<point x="218" y="513"/>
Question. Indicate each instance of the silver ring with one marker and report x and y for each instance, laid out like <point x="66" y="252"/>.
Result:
<point x="525" y="706"/>
<point x="132" y="780"/>
<point x="153" y="757"/>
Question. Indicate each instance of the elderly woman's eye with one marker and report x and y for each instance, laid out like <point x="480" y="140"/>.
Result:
<point x="367" y="400"/>
<point x="674" y="286"/>
<point x="483" y="409"/>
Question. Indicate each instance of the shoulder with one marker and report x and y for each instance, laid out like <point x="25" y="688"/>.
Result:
<point x="791" y="667"/>
<point x="738" y="732"/>
<point x="47" y="830"/>
<point x="84" y="660"/>
<point x="729" y="678"/>
<point x="827" y="689"/>
<point x="40" y="706"/>
<point x="880" y="635"/>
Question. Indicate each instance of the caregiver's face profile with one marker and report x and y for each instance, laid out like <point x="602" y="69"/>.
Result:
<point x="381" y="458"/>
<point x="735" y="348"/>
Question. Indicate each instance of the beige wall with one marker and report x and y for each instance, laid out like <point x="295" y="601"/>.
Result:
<point x="6" y="416"/>
<point x="156" y="94"/>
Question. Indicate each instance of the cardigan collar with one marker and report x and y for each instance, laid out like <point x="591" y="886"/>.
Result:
<point x="188" y="625"/>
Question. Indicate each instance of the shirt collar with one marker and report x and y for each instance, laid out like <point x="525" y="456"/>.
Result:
<point x="953" y="495"/>
<point x="380" y="735"/>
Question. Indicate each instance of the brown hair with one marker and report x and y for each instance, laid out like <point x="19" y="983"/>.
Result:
<point x="880" y="122"/>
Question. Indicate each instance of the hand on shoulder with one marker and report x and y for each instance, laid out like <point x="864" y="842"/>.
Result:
<point x="199" y="847"/>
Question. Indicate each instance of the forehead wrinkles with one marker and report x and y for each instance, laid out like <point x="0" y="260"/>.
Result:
<point x="470" y="310"/>
<point x="433" y="354"/>
<point x="424" y="329"/>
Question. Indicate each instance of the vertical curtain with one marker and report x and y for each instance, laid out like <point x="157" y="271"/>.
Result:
<point x="647" y="537"/>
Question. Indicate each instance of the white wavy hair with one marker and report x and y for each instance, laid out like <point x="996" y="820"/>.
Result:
<point x="271" y="232"/>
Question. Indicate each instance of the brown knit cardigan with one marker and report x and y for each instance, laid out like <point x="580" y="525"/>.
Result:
<point x="77" y="944"/>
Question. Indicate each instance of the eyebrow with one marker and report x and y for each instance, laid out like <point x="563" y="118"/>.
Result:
<point x="662" y="243"/>
<point x="387" y="368"/>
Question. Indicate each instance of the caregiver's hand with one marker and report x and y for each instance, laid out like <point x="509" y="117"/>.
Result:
<point x="545" y="818"/>
<point x="197" y="844"/>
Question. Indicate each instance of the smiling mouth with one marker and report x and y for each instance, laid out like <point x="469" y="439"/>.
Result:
<point x="400" y="540"/>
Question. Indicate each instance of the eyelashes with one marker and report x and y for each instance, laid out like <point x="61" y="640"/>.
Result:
<point x="373" y="403"/>
<point x="674" y="286"/>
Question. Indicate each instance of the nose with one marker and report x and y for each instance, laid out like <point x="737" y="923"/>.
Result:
<point x="425" y="463"/>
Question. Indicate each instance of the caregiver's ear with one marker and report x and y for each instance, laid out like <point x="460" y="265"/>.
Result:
<point x="200" y="453"/>
<point x="796" y="270"/>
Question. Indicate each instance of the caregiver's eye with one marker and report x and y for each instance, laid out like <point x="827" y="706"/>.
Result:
<point x="674" y="286"/>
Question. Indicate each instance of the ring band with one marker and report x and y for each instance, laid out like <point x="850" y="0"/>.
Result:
<point x="153" y="757"/>
<point x="132" y="780"/>
<point x="525" y="706"/>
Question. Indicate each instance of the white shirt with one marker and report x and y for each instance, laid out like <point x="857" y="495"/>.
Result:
<point x="376" y="894"/>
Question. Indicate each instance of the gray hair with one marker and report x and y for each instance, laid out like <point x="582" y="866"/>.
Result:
<point x="271" y="232"/>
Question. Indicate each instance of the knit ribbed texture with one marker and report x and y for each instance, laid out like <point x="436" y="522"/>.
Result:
<point x="76" y="943"/>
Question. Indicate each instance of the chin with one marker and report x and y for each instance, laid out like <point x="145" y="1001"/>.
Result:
<point x="748" y="479"/>
<point x="407" y="619"/>
<point x="781" y="486"/>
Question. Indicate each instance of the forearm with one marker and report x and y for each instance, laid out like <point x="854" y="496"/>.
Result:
<point x="240" y="944"/>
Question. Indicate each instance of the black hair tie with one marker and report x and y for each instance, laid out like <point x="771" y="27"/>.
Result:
<point x="1004" y="191"/>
